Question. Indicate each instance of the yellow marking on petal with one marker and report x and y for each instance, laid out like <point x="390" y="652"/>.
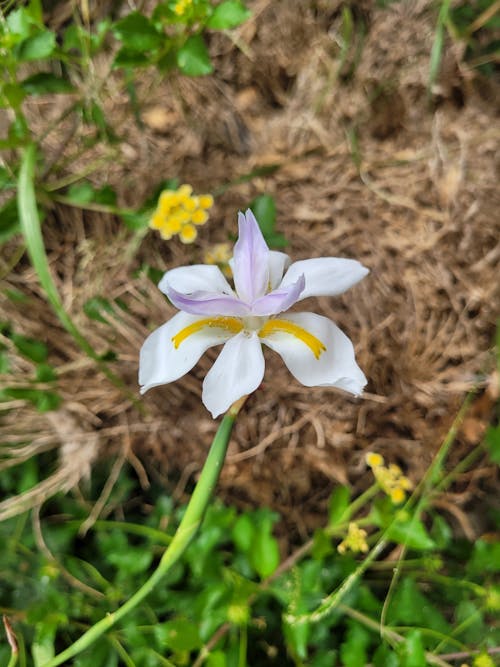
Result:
<point x="285" y="326"/>
<point x="230" y="324"/>
<point x="188" y="233"/>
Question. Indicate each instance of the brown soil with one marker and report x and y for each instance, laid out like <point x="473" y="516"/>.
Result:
<point x="370" y="167"/>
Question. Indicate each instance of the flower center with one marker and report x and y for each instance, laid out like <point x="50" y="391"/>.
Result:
<point x="230" y="324"/>
<point x="285" y="326"/>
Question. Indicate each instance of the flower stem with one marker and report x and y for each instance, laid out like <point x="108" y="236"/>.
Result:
<point x="187" y="529"/>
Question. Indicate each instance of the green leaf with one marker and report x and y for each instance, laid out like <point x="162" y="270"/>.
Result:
<point x="127" y="57"/>
<point x="6" y="182"/>
<point x="95" y="307"/>
<point x="492" y="440"/>
<point x="216" y="659"/>
<point x="470" y="615"/>
<point x="193" y="58"/>
<point x="179" y="634"/>
<point x="31" y="348"/>
<point x="19" y="22"/>
<point x="338" y="505"/>
<point x="243" y="533"/>
<point x="413" y="653"/>
<point x="228" y="14"/>
<point x="131" y="560"/>
<point x="411" y="532"/>
<point x="297" y="637"/>
<point x="138" y="33"/>
<point x="264" y="552"/>
<point x="384" y="656"/>
<point x="264" y="209"/>
<point x="46" y="82"/>
<point x="322" y="545"/>
<point x="136" y="221"/>
<point x="411" y="607"/>
<point x="353" y="650"/>
<point x="41" y="45"/>
<point x="45" y="373"/>
<point x="14" y="94"/>
<point x="485" y="558"/>
<point x="9" y="220"/>
<point x="41" y="399"/>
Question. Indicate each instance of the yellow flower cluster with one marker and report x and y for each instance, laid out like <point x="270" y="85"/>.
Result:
<point x="483" y="660"/>
<point x="220" y="254"/>
<point x="354" y="541"/>
<point x="181" y="6"/>
<point x="390" y="478"/>
<point x="180" y="212"/>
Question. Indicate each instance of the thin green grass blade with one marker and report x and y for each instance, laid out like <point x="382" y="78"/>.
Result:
<point x="437" y="47"/>
<point x="30" y="226"/>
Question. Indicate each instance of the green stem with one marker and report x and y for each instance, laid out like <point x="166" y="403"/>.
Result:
<point x="187" y="529"/>
<point x="30" y="225"/>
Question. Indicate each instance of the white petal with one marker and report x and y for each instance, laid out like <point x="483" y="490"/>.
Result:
<point x="326" y="276"/>
<point x="195" y="278"/>
<point x="278" y="262"/>
<point x="238" y="371"/>
<point x="336" y="366"/>
<point x="160" y="362"/>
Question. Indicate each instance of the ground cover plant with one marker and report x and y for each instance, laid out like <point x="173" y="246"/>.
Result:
<point x="344" y="531"/>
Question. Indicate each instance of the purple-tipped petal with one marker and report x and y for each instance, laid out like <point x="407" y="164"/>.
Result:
<point x="207" y="303"/>
<point x="279" y="299"/>
<point x="251" y="260"/>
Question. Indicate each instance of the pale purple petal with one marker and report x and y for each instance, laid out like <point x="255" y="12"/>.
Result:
<point x="207" y="303"/>
<point x="251" y="260"/>
<point x="326" y="276"/>
<point x="195" y="278"/>
<point x="279" y="299"/>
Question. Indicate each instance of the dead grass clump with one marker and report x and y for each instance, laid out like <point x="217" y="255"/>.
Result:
<point x="367" y="170"/>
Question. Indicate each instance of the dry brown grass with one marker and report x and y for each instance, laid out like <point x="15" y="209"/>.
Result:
<point x="416" y="202"/>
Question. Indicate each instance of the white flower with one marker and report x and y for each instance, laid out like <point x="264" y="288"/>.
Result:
<point x="265" y="285"/>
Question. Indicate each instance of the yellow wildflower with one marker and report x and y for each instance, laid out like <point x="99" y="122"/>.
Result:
<point x="220" y="254"/>
<point x="374" y="460"/>
<point x="483" y="660"/>
<point x="181" y="6"/>
<point x="390" y="478"/>
<point x="354" y="541"/>
<point x="178" y="211"/>
<point x="188" y="233"/>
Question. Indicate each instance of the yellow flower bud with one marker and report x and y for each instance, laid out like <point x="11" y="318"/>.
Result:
<point x="199" y="217"/>
<point x="188" y="233"/>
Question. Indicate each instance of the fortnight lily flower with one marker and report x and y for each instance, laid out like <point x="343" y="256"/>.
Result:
<point x="266" y="285"/>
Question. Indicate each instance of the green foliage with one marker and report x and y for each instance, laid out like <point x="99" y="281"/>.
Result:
<point x="218" y="584"/>
<point x="264" y="209"/>
<point x="44" y="398"/>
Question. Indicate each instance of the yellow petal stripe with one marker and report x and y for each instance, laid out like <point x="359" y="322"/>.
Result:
<point x="285" y="326"/>
<point x="231" y="324"/>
